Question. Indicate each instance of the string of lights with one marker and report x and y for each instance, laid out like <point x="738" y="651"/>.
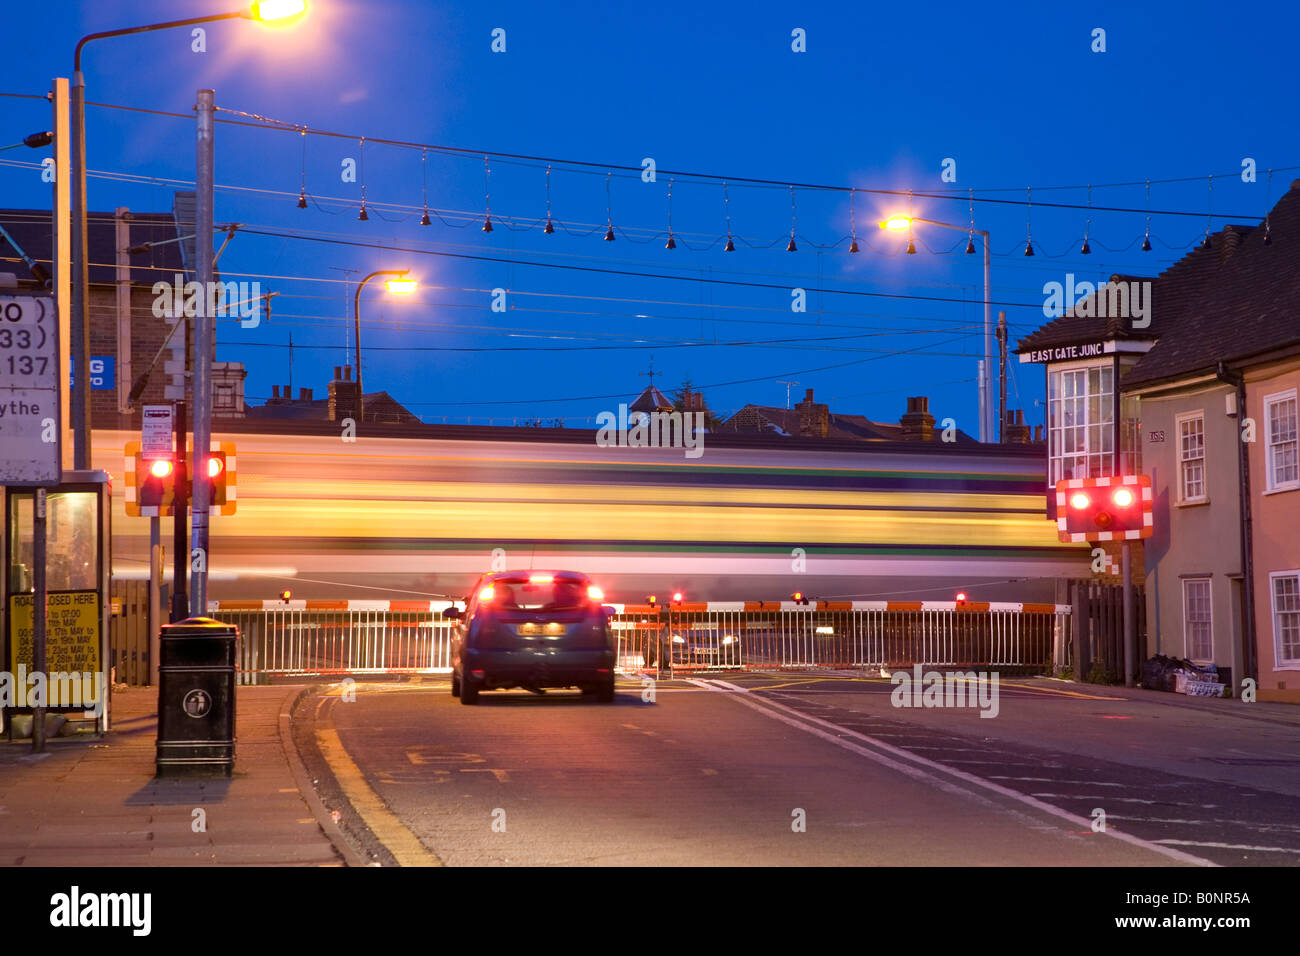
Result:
<point x="692" y="241"/>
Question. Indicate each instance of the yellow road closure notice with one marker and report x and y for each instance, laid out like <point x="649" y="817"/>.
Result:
<point x="383" y="823"/>
<point x="71" y="631"/>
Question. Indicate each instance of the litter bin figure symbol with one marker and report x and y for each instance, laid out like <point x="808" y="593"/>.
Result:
<point x="197" y="703"/>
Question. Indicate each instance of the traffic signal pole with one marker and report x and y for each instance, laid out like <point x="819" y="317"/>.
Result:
<point x="203" y="350"/>
<point x="1126" y="571"/>
<point x="155" y="601"/>
<point x="180" y="535"/>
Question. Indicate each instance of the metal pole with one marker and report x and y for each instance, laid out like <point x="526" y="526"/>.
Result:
<point x="986" y="426"/>
<point x="1129" y="637"/>
<point x="38" y="614"/>
<point x="155" y="602"/>
<point x="62" y="256"/>
<point x="356" y="321"/>
<point x="80" y="319"/>
<point x="1002" y="377"/>
<point x="203" y="339"/>
<point x="180" y="591"/>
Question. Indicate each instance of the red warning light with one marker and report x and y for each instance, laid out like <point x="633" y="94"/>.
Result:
<point x="961" y="597"/>
<point x="1079" y="501"/>
<point x="214" y="467"/>
<point x="286" y="596"/>
<point x="677" y="597"/>
<point x="1122" y="497"/>
<point x="161" y="468"/>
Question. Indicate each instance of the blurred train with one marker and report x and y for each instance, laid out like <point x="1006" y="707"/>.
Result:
<point x="409" y="512"/>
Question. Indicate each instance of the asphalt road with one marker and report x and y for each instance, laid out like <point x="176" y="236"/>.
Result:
<point x="788" y="769"/>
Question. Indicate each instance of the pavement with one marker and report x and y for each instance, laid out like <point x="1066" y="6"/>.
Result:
<point x="94" y="801"/>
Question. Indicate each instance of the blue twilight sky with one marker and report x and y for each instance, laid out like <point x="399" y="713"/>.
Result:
<point x="882" y="96"/>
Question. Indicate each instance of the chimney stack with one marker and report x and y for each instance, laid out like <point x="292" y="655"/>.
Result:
<point x="1017" y="431"/>
<point x="304" y="394"/>
<point x="344" y="398"/>
<point x="917" y="422"/>
<point x="275" y="393"/>
<point x="814" y="418"/>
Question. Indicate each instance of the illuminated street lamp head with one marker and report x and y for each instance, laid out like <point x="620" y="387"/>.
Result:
<point x="277" y="11"/>
<point x="896" y="222"/>
<point x="401" y="286"/>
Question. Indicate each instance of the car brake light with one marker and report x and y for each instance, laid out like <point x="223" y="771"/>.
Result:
<point x="595" y="593"/>
<point x="485" y="595"/>
<point x="540" y="579"/>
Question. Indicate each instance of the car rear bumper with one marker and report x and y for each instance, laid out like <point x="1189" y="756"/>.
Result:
<point x="535" y="669"/>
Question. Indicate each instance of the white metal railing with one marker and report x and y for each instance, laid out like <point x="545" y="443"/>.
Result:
<point x="380" y="637"/>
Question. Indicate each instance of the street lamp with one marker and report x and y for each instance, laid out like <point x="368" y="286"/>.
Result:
<point x="265" y="11"/>
<point x="397" y="286"/>
<point x="988" y="432"/>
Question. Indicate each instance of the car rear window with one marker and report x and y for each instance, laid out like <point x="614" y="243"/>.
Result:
<point x="538" y="595"/>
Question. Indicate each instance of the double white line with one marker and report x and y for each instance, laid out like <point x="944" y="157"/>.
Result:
<point x="930" y="772"/>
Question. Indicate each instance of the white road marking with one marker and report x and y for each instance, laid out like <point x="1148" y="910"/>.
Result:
<point x="1232" y="846"/>
<point x="794" y="718"/>
<point x="1088" y="783"/>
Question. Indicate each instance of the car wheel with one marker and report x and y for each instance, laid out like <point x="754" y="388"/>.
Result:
<point x="455" y="685"/>
<point x="468" y="692"/>
<point x="605" y="692"/>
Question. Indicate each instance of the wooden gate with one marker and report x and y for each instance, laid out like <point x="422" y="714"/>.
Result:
<point x="128" y="632"/>
<point x="1097" y="651"/>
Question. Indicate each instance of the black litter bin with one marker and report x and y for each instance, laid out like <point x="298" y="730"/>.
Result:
<point x="196" y="698"/>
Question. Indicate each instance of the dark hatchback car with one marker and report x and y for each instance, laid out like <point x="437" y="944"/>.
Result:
<point x="532" y="629"/>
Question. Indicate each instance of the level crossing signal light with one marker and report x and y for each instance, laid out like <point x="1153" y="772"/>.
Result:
<point x="652" y="600"/>
<point x="677" y="597"/>
<point x="155" y="488"/>
<point x="1114" y="508"/>
<point x="155" y="482"/>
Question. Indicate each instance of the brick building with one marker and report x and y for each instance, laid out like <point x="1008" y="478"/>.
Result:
<point x="128" y="253"/>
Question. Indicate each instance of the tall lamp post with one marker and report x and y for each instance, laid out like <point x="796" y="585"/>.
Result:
<point x="988" y="431"/>
<point x="79" y="346"/>
<point x="396" y="286"/>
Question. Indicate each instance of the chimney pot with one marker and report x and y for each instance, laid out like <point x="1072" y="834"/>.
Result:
<point x="347" y="373"/>
<point x="338" y="373"/>
<point x="808" y="395"/>
<point x="275" y="391"/>
<point x="304" y="394"/>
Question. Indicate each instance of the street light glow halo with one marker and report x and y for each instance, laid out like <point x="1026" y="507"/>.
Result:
<point x="896" y="222"/>
<point x="401" y="286"/>
<point x="276" y="11"/>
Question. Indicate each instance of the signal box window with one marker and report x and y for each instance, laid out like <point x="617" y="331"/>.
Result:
<point x="1081" y="423"/>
